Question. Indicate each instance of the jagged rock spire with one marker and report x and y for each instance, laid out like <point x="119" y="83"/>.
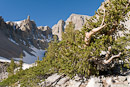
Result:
<point x="28" y="18"/>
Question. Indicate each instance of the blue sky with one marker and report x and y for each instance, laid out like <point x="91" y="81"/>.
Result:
<point x="46" y="12"/>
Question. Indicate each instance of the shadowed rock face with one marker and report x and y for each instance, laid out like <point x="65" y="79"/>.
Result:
<point x="78" y="21"/>
<point x="7" y="48"/>
<point x="46" y="30"/>
<point x="16" y="37"/>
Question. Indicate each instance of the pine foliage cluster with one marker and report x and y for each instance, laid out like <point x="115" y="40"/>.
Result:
<point x="72" y="57"/>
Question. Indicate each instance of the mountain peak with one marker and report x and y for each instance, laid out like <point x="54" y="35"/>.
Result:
<point x="28" y="17"/>
<point x="73" y="14"/>
<point x="77" y="19"/>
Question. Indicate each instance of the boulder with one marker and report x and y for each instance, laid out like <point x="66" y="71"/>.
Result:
<point x="51" y="80"/>
<point x="94" y="82"/>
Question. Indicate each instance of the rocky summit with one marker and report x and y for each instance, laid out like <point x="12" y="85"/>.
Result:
<point x="17" y="37"/>
<point x="78" y="21"/>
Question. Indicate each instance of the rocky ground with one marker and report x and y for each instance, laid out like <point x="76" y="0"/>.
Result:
<point x="56" y="80"/>
<point x="3" y="71"/>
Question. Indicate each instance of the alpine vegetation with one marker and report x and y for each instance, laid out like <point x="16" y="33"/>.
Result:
<point x="94" y="50"/>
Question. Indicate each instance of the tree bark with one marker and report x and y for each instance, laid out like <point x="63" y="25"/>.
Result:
<point x="88" y="35"/>
<point x="110" y="59"/>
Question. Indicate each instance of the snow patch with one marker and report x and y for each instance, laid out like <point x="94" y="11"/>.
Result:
<point x="29" y="59"/>
<point x="38" y="52"/>
<point x="25" y="66"/>
<point x="2" y="59"/>
<point x="18" y="22"/>
<point x="13" y="41"/>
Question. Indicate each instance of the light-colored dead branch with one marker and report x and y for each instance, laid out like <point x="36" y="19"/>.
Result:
<point x="110" y="59"/>
<point x="88" y="35"/>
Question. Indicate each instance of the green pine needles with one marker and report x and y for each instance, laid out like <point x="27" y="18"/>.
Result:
<point x="96" y="48"/>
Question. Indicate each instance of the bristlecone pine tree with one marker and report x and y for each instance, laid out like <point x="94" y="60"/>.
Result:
<point x="97" y="47"/>
<point x="11" y="68"/>
<point x="103" y="27"/>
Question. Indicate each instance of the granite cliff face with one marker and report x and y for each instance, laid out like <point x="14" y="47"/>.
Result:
<point x="78" y="21"/>
<point x="58" y="28"/>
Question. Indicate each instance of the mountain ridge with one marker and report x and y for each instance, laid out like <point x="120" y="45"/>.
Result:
<point x="25" y="32"/>
<point x="15" y="39"/>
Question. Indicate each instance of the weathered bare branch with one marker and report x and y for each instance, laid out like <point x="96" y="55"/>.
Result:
<point x="109" y="60"/>
<point x="88" y="35"/>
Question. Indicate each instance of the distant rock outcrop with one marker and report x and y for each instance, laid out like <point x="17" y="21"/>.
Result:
<point x="46" y="31"/>
<point x="58" y="28"/>
<point x="17" y="37"/>
<point x="78" y="21"/>
<point x="27" y="33"/>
